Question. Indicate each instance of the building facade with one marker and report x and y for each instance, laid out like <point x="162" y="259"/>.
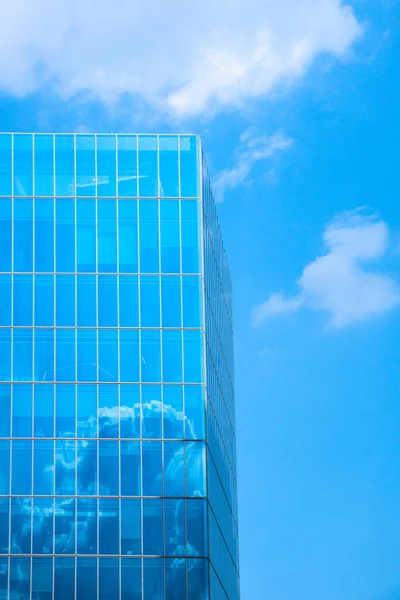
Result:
<point x="117" y="422"/>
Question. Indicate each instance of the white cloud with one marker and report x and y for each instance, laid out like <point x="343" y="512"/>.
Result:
<point x="341" y="283"/>
<point x="179" y="56"/>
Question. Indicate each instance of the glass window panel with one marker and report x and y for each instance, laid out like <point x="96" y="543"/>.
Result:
<point x="128" y="301"/>
<point x="148" y="166"/>
<point x="21" y="513"/>
<point x="86" y="235"/>
<point x="87" y="411"/>
<point x="169" y="177"/>
<point x="42" y="533"/>
<point x="86" y="299"/>
<point x="64" y="578"/>
<point x="172" y="356"/>
<point x="87" y="355"/>
<point x="44" y="300"/>
<point x="107" y="236"/>
<point x="153" y="543"/>
<point x="108" y="354"/>
<point x="149" y="301"/>
<point x="153" y="585"/>
<point x="44" y="355"/>
<point x="5" y="407"/>
<point x="151" y="411"/>
<point x="21" y="467"/>
<point x="108" y="411"/>
<point x="190" y="237"/>
<point x="22" y="364"/>
<point x="23" y="234"/>
<point x="152" y="468"/>
<point x="191" y="293"/>
<point x="6" y="243"/>
<point x="131" y="579"/>
<point x="5" y="298"/>
<point x="148" y="236"/>
<point x="108" y="579"/>
<point x="108" y="468"/>
<point x="23" y="301"/>
<point x="109" y="526"/>
<point x="196" y="527"/>
<point x="44" y="235"/>
<point x="194" y="413"/>
<point x="65" y="355"/>
<point x="128" y="236"/>
<point x="106" y="165"/>
<point x="44" y="165"/>
<point x="42" y="578"/>
<point x="107" y="301"/>
<point x="5" y="165"/>
<point x="130" y="526"/>
<point x="150" y="355"/>
<point x="189" y="166"/>
<point x="171" y="301"/>
<point x="129" y="355"/>
<point x="129" y="411"/>
<point x="174" y="469"/>
<point x="86" y="527"/>
<point x="197" y="579"/>
<point x="65" y="235"/>
<point x="4" y="467"/>
<point x="195" y="469"/>
<point x="65" y="175"/>
<point x="66" y="467"/>
<point x="174" y="517"/>
<point x="23" y="159"/>
<point x="173" y="411"/>
<point x="22" y="410"/>
<point x="85" y="165"/>
<point x="43" y="470"/>
<point x="20" y="577"/>
<point x="87" y="468"/>
<point x="127" y="165"/>
<point x="64" y="539"/>
<point x="4" y="520"/>
<point x="65" y="306"/>
<point x="43" y="424"/>
<point x="5" y="354"/>
<point x="193" y="356"/>
<point x="175" y="573"/>
<point x="86" y="579"/>
<point x="130" y="469"/>
<point x="170" y="236"/>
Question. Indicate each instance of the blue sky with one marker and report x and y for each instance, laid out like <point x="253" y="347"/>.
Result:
<point x="297" y="105"/>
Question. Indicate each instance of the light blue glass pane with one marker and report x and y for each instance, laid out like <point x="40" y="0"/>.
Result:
<point x="21" y="476"/>
<point x="151" y="411"/>
<point x="23" y="292"/>
<point x="149" y="302"/>
<point x="42" y="532"/>
<point x="106" y="165"/>
<point x="107" y="236"/>
<point x="108" y="468"/>
<point x="44" y="165"/>
<point x="4" y="467"/>
<point x="189" y="166"/>
<point x="193" y="356"/>
<point x="66" y="467"/>
<point x="22" y="363"/>
<point x="190" y="237"/>
<point x="23" y="159"/>
<point x="148" y="210"/>
<point x="129" y="355"/>
<point x="85" y="165"/>
<point x="86" y="530"/>
<point x="5" y="165"/>
<point x="87" y="411"/>
<point x="64" y="578"/>
<point x="65" y="303"/>
<point x="108" y="526"/>
<point x="171" y="301"/>
<point x="173" y="411"/>
<point x="87" y="355"/>
<point x="44" y="355"/>
<point x="148" y="167"/>
<point x="20" y="577"/>
<point x="23" y="234"/>
<point x="127" y="165"/>
<point x="191" y="292"/>
<point x="108" y="579"/>
<point x="169" y="177"/>
<point x="65" y="235"/>
<point x="175" y="573"/>
<point x="21" y="512"/>
<point x="197" y="579"/>
<point x="43" y="411"/>
<point x="194" y="413"/>
<point x="170" y="236"/>
<point x="86" y="576"/>
<point x="5" y="407"/>
<point x="153" y="585"/>
<point x="86" y="235"/>
<point x="107" y="301"/>
<point x="65" y="174"/>
<point x="86" y="298"/>
<point x="174" y="469"/>
<point x="174" y="516"/>
<point x="172" y="356"/>
<point x="4" y="547"/>
<point x="108" y="411"/>
<point x="65" y="410"/>
<point x="108" y="355"/>
<point x="44" y="235"/>
<point x="195" y="469"/>
<point x="152" y="468"/>
<point x="44" y="300"/>
<point x="131" y="579"/>
<point x="128" y="236"/>
<point x="65" y="355"/>
<point x="5" y="234"/>
<point x="43" y="471"/>
<point x="64" y="539"/>
<point x="153" y="543"/>
<point x="5" y="354"/>
<point x="196" y="527"/>
<point x="128" y="301"/>
<point x="22" y="410"/>
<point x="130" y="469"/>
<point x="42" y="578"/>
<point x="129" y="411"/>
<point x="150" y="356"/>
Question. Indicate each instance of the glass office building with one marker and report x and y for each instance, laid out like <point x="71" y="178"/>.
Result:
<point x="117" y="423"/>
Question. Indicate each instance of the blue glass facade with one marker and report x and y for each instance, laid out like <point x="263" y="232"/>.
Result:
<point x="117" y="435"/>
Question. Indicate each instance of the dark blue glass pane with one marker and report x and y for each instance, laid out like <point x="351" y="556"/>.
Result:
<point x="108" y="468"/>
<point x="153" y="543"/>
<point x="175" y="573"/>
<point x="109" y="579"/>
<point x="128" y="301"/>
<point x="196" y="527"/>
<point x="151" y="411"/>
<point x="20" y="577"/>
<point x="171" y="301"/>
<point x="130" y="469"/>
<point x="173" y="411"/>
<point x="65" y="175"/>
<point x="150" y="356"/>
<point x="197" y="579"/>
<point x="22" y="410"/>
<point x="170" y="236"/>
<point x="87" y="468"/>
<point x="86" y="235"/>
<point x="106" y="165"/>
<point x="129" y="355"/>
<point x="42" y="523"/>
<point x="5" y="165"/>
<point x="43" y="471"/>
<point x="149" y="301"/>
<point x="108" y="526"/>
<point x="65" y="306"/>
<point x="175" y="538"/>
<point x="86" y="579"/>
<point x="107" y="236"/>
<point x="21" y="467"/>
<point x="43" y="411"/>
<point x="148" y="210"/>
<point x="131" y="579"/>
<point x="129" y="411"/>
<point x="65" y="235"/>
<point x="5" y="408"/>
<point x="174" y="469"/>
<point x="169" y="177"/>
<point x="23" y="354"/>
<point x="127" y="165"/>
<point x="23" y="235"/>
<point x="5" y="234"/>
<point x="108" y="354"/>
<point x="21" y="513"/>
<point x="66" y="467"/>
<point x="108" y="411"/>
<point x="44" y="300"/>
<point x="64" y="578"/>
<point x="23" y="160"/>
<point x="172" y="356"/>
<point x="148" y="166"/>
<point x="44" y="235"/>
<point x="4" y="520"/>
<point x="190" y="237"/>
<point x="86" y="530"/>
<point x="195" y="469"/>
<point x="153" y="570"/>
<point x="5" y="297"/>
<point x="4" y="467"/>
<point x="127" y="236"/>
<point x="65" y="355"/>
<point x="23" y="301"/>
<point x="152" y="468"/>
<point x="107" y="301"/>
<point x="193" y="356"/>
<point x="87" y="411"/>
<point x="194" y="413"/>
<point x="87" y="355"/>
<point x="44" y="355"/>
<point x="64" y="540"/>
<point x="85" y="165"/>
<point x="5" y="354"/>
<point x="86" y="297"/>
<point x="44" y="165"/>
<point x="191" y="293"/>
<point x="130" y="526"/>
<point x="189" y="166"/>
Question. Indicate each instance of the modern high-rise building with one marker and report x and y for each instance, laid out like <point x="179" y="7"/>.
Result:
<point x="117" y="419"/>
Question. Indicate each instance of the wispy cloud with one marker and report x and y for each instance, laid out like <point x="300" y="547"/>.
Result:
<point x="252" y="148"/>
<point x="342" y="282"/>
